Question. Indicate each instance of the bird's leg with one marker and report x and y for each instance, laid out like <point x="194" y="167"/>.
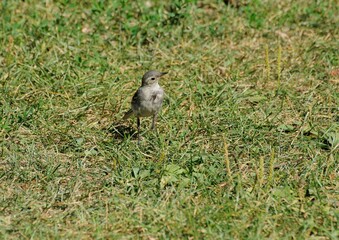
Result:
<point x="154" y="120"/>
<point x="138" y="124"/>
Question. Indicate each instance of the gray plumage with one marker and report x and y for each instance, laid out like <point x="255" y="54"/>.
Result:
<point x="147" y="100"/>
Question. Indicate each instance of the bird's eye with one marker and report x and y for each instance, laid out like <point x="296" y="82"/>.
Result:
<point x="153" y="78"/>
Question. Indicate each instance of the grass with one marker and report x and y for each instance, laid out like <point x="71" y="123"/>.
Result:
<point x="247" y="143"/>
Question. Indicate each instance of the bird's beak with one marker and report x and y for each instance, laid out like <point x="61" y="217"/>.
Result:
<point x="163" y="73"/>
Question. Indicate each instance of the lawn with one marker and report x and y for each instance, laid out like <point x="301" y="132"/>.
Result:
<point x="247" y="145"/>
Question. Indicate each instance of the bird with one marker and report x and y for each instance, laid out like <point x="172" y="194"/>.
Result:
<point x="147" y="100"/>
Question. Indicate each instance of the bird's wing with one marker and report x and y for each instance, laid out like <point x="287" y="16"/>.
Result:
<point x="135" y="100"/>
<point x="136" y="97"/>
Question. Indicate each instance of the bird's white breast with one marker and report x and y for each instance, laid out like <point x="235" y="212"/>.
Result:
<point x="150" y="100"/>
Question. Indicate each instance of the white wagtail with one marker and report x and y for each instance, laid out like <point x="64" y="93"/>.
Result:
<point x="147" y="100"/>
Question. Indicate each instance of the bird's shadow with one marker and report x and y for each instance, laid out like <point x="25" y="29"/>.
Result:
<point x="121" y="131"/>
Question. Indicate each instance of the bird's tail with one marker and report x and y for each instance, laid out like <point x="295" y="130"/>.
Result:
<point x="128" y="114"/>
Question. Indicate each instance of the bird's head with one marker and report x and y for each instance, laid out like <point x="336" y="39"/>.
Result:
<point x="151" y="77"/>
